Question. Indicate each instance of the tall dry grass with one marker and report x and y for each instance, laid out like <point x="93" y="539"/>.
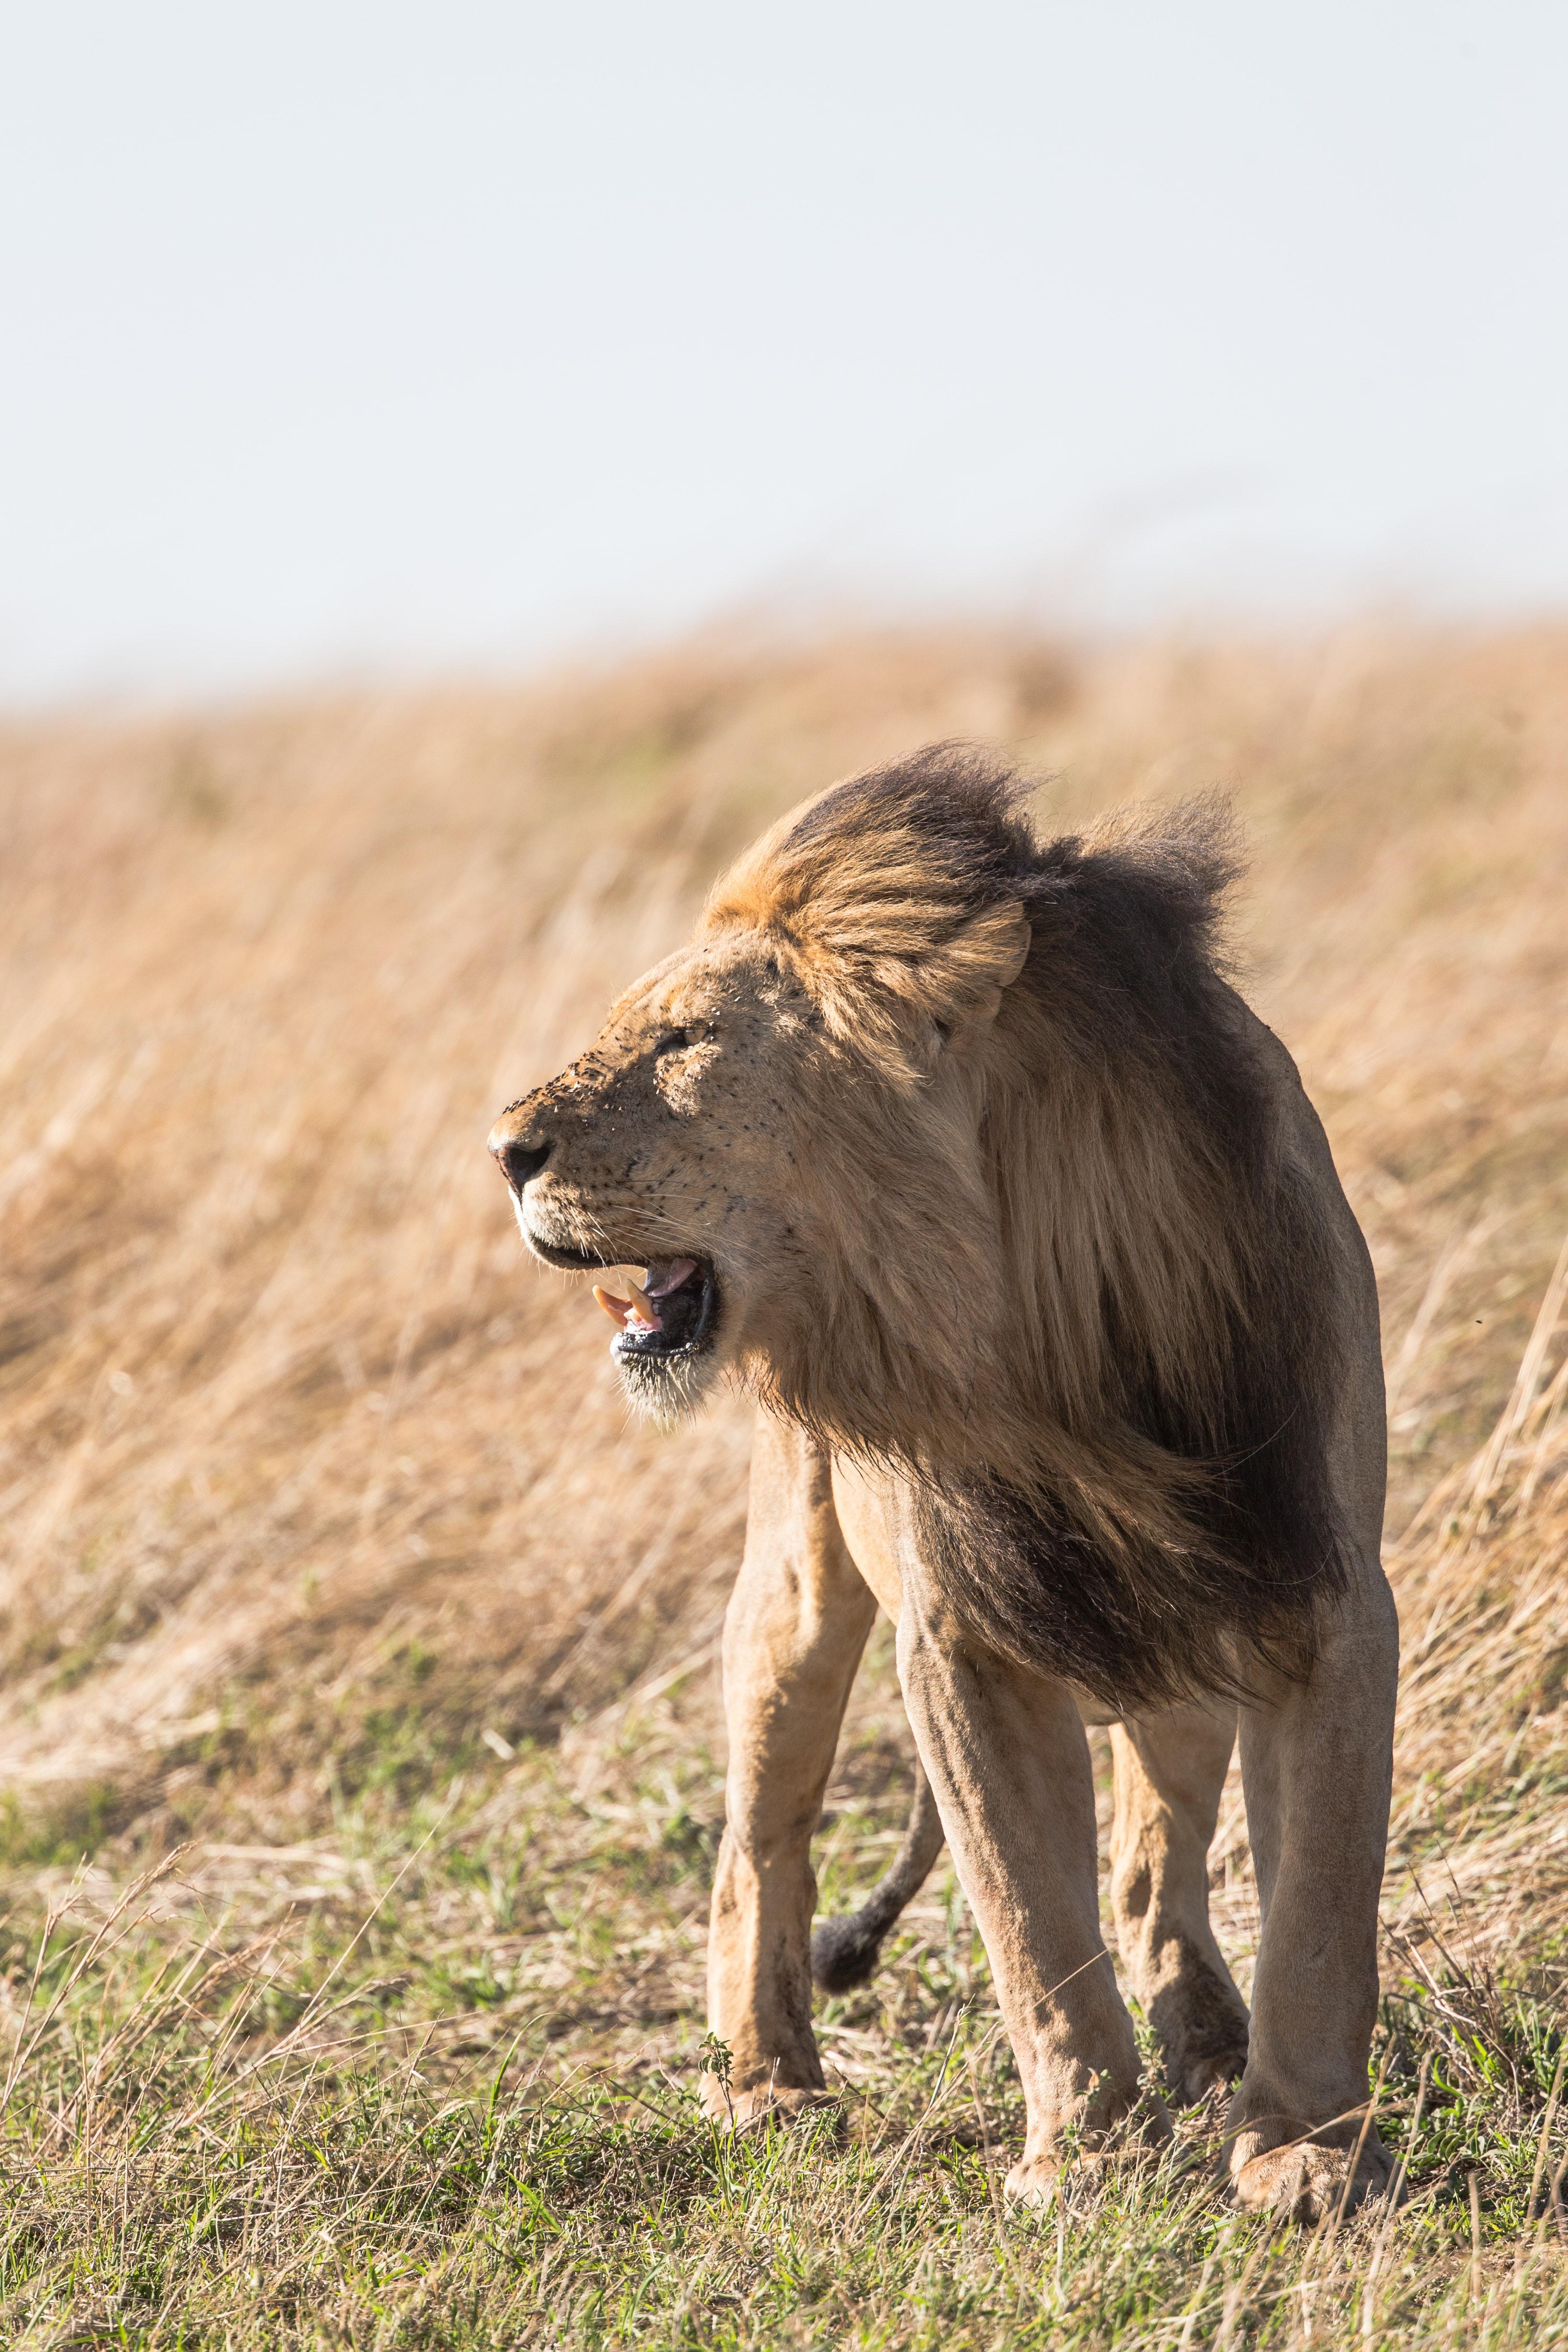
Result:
<point x="318" y="1502"/>
<point x="296" y="1453"/>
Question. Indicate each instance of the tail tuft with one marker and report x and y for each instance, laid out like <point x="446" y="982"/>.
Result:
<point x="845" y="1951"/>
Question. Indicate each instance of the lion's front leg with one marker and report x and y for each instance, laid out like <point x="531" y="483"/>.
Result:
<point x="1006" y="1754"/>
<point x="1317" y="1765"/>
<point x="794" y="1632"/>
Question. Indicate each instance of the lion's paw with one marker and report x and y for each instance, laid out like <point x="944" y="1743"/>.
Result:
<point x="1038" y="2183"/>
<point x="1077" y="2174"/>
<point x="1306" y="2182"/>
<point x="764" y="2104"/>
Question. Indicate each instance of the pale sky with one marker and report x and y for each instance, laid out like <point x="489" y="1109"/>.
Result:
<point x="367" y="338"/>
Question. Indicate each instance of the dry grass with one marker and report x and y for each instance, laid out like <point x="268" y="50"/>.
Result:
<point x="310" y="1485"/>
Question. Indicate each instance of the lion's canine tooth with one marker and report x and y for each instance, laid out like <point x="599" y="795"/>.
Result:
<point x="644" y="1309"/>
<point x="639" y="1299"/>
<point x="636" y="1309"/>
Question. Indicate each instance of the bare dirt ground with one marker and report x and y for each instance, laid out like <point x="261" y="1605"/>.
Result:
<point x="324" y="1531"/>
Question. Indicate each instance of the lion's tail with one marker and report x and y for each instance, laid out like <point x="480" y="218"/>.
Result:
<point x="843" y="1951"/>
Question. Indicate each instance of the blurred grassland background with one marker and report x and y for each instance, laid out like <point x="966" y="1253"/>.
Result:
<point x="330" y="1560"/>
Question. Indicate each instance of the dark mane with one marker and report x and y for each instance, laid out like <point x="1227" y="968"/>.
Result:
<point x="1133" y="1491"/>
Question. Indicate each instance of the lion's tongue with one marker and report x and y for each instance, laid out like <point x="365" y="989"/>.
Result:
<point x="667" y="1274"/>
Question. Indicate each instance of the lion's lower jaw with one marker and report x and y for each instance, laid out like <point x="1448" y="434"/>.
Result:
<point x="667" y="1388"/>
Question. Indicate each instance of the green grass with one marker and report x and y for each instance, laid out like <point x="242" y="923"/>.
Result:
<point x="444" y="2095"/>
<point x="56" y="1834"/>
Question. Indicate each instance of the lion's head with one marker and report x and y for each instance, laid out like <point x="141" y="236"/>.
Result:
<point x="778" y="1119"/>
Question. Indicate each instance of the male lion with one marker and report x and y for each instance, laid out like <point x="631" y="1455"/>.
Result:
<point x="956" y="1147"/>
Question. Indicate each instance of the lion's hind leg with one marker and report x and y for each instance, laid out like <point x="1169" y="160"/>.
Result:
<point x="1170" y="1771"/>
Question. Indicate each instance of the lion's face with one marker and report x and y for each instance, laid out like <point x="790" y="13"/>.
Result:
<point x="783" y="1123"/>
<point x="671" y="1144"/>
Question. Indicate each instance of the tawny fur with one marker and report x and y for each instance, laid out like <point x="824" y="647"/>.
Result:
<point x="1020" y="1224"/>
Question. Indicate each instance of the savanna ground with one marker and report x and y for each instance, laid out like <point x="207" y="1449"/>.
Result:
<point x="359" y="1728"/>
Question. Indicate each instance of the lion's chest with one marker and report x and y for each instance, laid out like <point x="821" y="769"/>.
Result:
<point x="867" y="1504"/>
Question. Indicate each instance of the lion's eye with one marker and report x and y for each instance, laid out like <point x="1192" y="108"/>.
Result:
<point x="674" y="1039"/>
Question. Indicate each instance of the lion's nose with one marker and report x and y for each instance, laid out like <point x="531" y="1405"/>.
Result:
<point x="521" y="1160"/>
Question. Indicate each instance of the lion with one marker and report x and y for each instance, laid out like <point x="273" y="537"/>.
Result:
<point x="958" y="1148"/>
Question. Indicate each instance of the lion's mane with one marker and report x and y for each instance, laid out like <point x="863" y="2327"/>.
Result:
<point x="1062" y="1271"/>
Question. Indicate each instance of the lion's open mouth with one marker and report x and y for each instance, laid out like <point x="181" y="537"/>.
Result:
<point x="670" y="1314"/>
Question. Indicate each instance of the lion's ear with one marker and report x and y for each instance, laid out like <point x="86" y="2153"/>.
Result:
<point x="964" y="980"/>
<point x="912" y="987"/>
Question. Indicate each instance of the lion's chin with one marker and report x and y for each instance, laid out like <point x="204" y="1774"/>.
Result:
<point x="671" y="1391"/>
<point x="669" y="1364"/>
